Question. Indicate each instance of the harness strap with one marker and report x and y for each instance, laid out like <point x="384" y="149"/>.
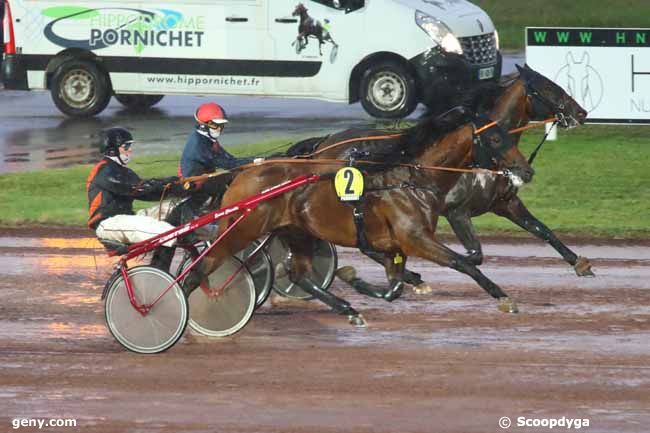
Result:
<point x="362" y="240"/>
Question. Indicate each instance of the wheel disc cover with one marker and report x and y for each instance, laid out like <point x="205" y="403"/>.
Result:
<point x="230" y="311"/>
<point x="323" y="268"/>
<point x="159" y="328"/>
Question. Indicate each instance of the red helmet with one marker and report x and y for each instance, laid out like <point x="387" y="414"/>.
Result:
<point x="211" y="113"/>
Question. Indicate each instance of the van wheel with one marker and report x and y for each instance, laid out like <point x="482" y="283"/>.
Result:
<point x="388" y="91"/>
<point x="138" y="102"/>
<point x="80" y="89"/>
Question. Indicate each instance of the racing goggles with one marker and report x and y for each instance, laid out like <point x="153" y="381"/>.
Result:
<point x="127" y="145"/>
<point x="214" y="125"/>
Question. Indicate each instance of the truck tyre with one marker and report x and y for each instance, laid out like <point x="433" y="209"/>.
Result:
<point x="138" y="102"/>
<point x="388" y="91"/>
<point x="80" y="88"/>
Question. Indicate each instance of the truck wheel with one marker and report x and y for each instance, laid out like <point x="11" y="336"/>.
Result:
<point x="80" y="89"/>
<point x="138" y="102"/>
<point x="388" y="91"/>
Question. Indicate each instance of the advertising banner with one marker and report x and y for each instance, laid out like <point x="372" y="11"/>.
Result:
<point x="606" y="70"/>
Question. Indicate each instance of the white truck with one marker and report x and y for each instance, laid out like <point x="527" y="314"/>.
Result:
<point x="381" y="52"/>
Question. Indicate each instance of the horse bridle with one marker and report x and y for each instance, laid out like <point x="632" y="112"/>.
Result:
<point x="558" y="109"/>
<point x="485" y="153"/>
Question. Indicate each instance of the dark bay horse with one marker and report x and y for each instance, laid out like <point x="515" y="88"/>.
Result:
<point x="310" y="27"/>
<point x="531" y="97"/>
<point x="528" y="96"/>
<point x="399" y="220"/>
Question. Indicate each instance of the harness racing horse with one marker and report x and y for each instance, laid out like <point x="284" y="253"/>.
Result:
<point x="401" y="206"/>
<point x="310" y="27"/>
<point x="529" y="96"/>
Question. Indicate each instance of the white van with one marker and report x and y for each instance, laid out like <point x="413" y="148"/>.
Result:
<point x="381" y="52"/>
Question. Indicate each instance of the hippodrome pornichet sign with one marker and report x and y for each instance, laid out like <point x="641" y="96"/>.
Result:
<point x="606" y="70"/>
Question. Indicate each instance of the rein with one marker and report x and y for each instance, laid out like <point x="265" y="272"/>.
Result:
<point x="532" y="156"/>
<point x="351" y="140"/>
<point x="385" y="137"/>
<point x="305" y="159"/>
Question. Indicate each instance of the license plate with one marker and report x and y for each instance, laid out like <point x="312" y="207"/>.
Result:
<point x="486" y="73"/>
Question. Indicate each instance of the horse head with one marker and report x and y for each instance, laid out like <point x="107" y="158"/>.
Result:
<point x="547" y="99"/>
<point x="299" y="10"/>
<point x="495" y="147"/>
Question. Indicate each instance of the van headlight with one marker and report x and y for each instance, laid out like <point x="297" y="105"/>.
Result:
<point x="496" y="39"/>
<point x="438" y="32"/>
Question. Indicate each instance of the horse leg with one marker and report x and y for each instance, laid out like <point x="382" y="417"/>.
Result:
<point x="516" y="212"/>
<point x="427" y="247"/>
<point x="461" y="224"/>
<point x="394" y="264"/>
<point x="409" y="277"/>
<point x="394" y="273"/>
<point x="302" y="246"/>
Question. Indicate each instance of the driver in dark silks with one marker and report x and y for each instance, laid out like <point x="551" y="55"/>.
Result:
<point x="112" y="187"/>
<point x="203" y="154"/>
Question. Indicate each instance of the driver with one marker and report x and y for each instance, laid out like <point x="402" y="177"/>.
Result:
<point x="111" y="189"/>
<point x="204" y="154"/>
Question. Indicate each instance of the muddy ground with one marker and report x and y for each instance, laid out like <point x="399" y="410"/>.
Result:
<point x="448" y="361"/>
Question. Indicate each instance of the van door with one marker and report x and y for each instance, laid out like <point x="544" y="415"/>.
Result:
<point x="316" y="67"/>
<point x="248" y="45"/>
<point x="206" y="47"/>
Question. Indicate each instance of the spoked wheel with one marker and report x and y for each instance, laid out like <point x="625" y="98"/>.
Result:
<point x="162" y="326"/>
<point x="324" y="263"/>
<point x="261" y="269"/>
<point x="229" y="311"/>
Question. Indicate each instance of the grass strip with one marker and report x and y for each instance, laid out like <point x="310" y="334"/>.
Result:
<point x="593" y="181"/>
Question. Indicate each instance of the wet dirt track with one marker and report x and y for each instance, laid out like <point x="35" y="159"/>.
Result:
<point x="444" y="362"/>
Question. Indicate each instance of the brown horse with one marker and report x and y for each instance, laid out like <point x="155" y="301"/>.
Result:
<point x="401" y="207"/>
<point x="527" y="96"/>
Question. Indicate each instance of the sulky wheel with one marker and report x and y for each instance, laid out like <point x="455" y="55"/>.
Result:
<point x="162" y="326"/>
<point x="324" y="265"/>
<point x="229" y="311"/>
<point x="261" y="269"/>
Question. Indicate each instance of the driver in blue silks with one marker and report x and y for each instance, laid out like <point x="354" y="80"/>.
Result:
<point x="204" y="154"/>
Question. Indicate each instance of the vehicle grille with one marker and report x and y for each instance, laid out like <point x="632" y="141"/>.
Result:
<point x="480" y="50"/>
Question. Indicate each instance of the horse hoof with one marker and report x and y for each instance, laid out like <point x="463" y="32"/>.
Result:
<point x="583" y="267"/>
<point x="357" y="320"/>
<point x="346" y="273"/>
<point x="507" y="305"/>
<point x="422" y="289"/>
